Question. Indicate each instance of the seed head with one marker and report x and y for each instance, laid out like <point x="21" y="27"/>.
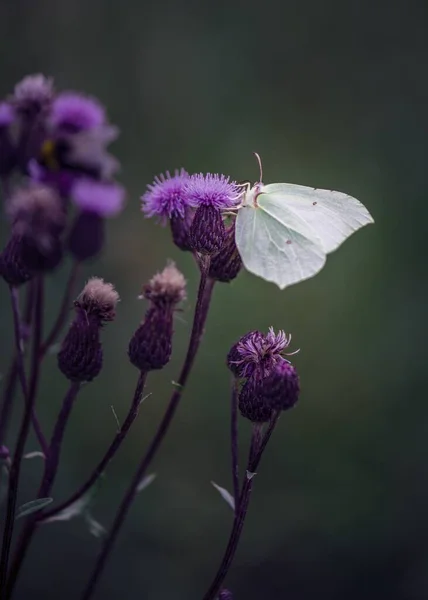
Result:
<point x="165" y="197"/>
<point x="207" y="232"/>
<point x="98" y="299"/>
<point x="166" y="288"/>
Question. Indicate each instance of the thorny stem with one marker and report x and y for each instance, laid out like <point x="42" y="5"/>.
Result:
<point x="13" y="372"/>
<point x="30" y="395"/>
<point x="234" y="441"/>
<point x="201" y="310"/>
<point x="258" y="445"/>
<point x="63" y="310"/>
<point x="51" y="467"/>
<point x="113" y="448"/>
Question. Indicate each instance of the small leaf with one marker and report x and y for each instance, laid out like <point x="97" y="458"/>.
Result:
<point x="95" y="528"/>
<point x="31" y="507"/>
<point x="79" y="506"/>
<point x="227" y="496"/>
<point x="145" y="482"/>
<point x="250" y="475"/>
<point x="177" y="385"/>
<point x="35" y="454"/>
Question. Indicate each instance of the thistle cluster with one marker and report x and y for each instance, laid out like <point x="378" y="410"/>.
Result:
<point x="55" y="145"/>
<point x="269" y="382"/>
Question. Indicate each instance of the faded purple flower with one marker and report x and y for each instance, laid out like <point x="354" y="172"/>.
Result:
<point x="165" y="197"/>
<point x="102" y="198"/>
<point x="74" y="112"/>
<point x="7" y="114"/>
<point x="256" y="350"/>
<point x="33" y="93"/>
<point x="216" y="191"/>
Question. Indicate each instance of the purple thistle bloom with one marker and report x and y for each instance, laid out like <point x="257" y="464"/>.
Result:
<point x="7" y="114"/>
<point x="74" y="112"/>
<point x="215" y="191"/>
<point x="256" y="350"/>
<point x="165" y="197"/>
<point x="33" y="93"/>
<point x="102" y="198"/>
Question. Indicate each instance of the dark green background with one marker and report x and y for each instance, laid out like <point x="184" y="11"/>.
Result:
<point x="332" y="94"/>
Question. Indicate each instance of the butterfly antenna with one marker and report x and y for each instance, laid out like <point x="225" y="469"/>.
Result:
<point x="259" y="160"/>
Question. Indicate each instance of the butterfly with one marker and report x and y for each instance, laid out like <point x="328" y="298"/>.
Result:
<point x="284" y="232"/>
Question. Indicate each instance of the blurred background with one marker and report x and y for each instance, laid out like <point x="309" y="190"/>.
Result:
<point x="331" y="94"/>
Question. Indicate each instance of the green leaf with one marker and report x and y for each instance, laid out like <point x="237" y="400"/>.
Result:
<point x="32" y="506"/>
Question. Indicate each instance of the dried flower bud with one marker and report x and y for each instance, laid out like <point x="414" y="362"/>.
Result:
<point x="257" y="351"/>
<point x="207" y="232"/>
<point x="81" y="355"/>
<point x="226" y="264"/>
<point x="252" y="402"/>
<point x="86" y="238"/>
<point x="281" y="388"/>
<point x="150" y="346"/>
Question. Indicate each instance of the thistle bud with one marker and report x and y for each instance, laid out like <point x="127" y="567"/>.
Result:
<point x="207" y="232"/>
<point x="226" y="264"/>
<point x="252" y="402"/>
<point x="81" y="355"/>
<point x="86" y="237"/>
<point x="180" y="229"/>
<point x="38" y="219"/>
<point x="281" y="388"/>
<point x="150" y="346"/>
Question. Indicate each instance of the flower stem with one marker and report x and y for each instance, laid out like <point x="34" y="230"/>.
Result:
<point x="258" y="445"/>
<point x="234" y="441"/>
<point x="13" y="372"/>
<point x="63" y="310"/>
<point x="30" y="395"/>
<point x="50" y="471"/>
<point x="201" y="310"/>
<point x="111" y="451"/>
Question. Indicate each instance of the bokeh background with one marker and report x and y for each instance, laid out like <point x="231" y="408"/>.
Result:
<point x="331" y="94"/>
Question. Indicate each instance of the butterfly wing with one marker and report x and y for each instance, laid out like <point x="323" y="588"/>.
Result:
<point x="276" y="247"/>
<point x="331" y="216"/>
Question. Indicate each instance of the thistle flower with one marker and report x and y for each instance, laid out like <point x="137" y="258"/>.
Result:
<point x="210" y="194"/>
<point x="258" y="351"/>
<point x="38" y="219"/>
<point x="150" y="346"/>
<point x="81" y="355"/>
<point x="72" y="112"/>
<point x="33" y="94"/>
<point x="226" y="264"/>
<point x="165" y="197"/>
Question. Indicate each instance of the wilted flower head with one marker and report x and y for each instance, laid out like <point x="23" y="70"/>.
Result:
<point x="33" y="93"/>
<point x="73" y="112"/>
<point x="151" y="345"/>
<point x="165" y="197"/>
<point x="256" y="350"/>
<point x="216" y="191"/>
<point x="81" y="355"/>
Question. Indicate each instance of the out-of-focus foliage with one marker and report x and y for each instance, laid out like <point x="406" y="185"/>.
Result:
<point x="331" y="94"/>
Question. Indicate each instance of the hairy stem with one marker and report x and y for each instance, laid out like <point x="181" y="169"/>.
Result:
<point x="201" y="311"/>
<point x="111" y="451"/>
<point x="30" y="395"/>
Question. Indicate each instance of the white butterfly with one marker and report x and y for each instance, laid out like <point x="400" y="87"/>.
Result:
<point x="284" y="231"/>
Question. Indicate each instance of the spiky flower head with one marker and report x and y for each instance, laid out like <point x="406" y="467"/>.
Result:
<point x="165" y="197"/>
<point x="81" y="355"/>
<point x="260" y="351"/>
<point x="226" y="264"/>
<point x="234" y="358"/>
<point x="72" y="112"/>
<point x="213" y="190"/>
<point x="33" y="93"/>
<point x="151" y="345"/>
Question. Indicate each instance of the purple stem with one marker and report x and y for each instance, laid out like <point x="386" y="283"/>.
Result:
<point x="50" y="471"/>
<point x="63" y="310"/>
<point x="30" y="395"/>
<point x="201" y="310"/>
<point x="13" y="373"/>
<point x="113" y="448"/>
<point x="234" y="441"/>
<point x="258" y="445"/>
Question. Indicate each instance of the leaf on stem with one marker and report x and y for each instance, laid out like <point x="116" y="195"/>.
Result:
<point x="227" y="496"/>
<point x="250" y="475"/>
<point x="32" y="506"/>
<point x="78" y="507"/>
<point x="146" y="481"/>
<point x="35" y="454"/>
